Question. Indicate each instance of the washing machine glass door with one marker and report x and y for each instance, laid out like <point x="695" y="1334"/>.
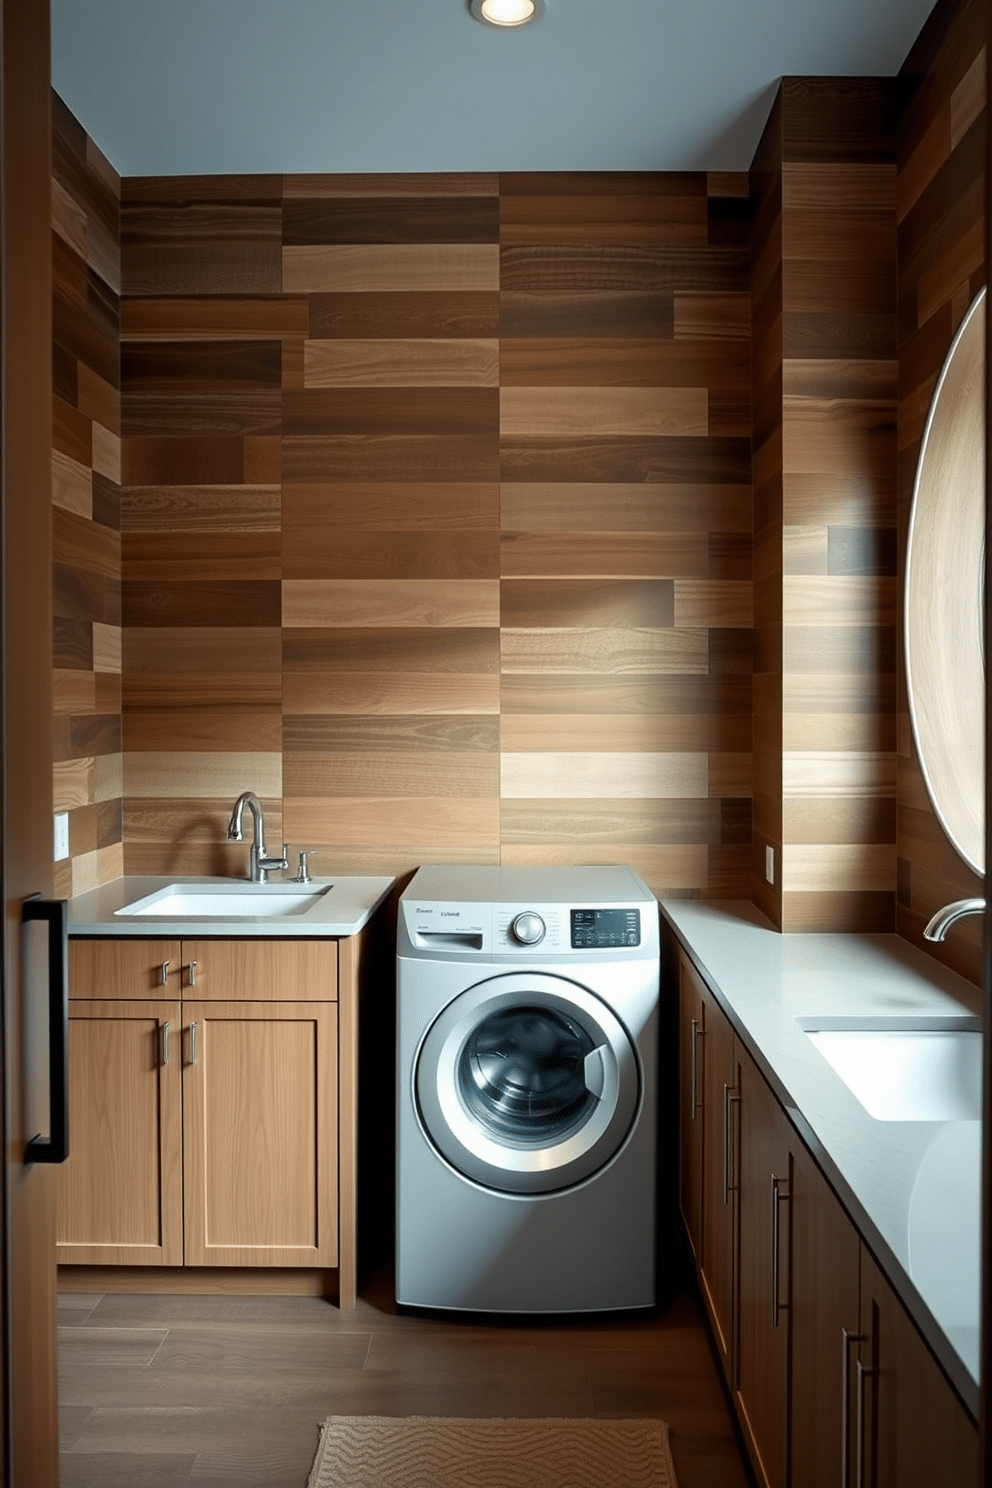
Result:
<point x="527" y="1083"/>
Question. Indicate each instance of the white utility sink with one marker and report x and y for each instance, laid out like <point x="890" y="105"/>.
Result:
<point x="236" y="901"/>
<point x="904" y="1070"/>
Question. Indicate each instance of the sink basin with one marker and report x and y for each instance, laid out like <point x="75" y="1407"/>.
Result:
<point x="236" y="901"/>
<point x="904" y="1070"/>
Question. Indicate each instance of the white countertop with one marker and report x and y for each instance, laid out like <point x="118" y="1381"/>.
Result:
<point x="343" y="910"/>
<point x="912" y="1188"/>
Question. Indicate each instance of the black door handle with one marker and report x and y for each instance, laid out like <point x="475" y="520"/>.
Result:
<point x="55" y="1147"/>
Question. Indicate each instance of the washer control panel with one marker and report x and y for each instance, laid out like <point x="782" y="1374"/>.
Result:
<point x="603" y="929"/>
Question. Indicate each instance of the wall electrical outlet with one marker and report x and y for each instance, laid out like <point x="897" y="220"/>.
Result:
<point x="61" y="835"/>
<point x="770" y="864"/>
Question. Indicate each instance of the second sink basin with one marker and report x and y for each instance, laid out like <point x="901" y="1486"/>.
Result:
<point x="236" y="901"/>
<point x="930" y="1070"/>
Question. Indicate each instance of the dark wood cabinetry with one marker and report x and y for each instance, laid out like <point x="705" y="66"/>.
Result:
<point x="708" y="1174"/>
<point x="831" y="1380"/>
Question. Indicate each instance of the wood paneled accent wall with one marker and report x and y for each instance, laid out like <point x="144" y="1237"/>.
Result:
<point x="824" y="294"/>
<point x="942" y="194"/>
<point x="436" y="521"/>
<point x="86" y="476"/>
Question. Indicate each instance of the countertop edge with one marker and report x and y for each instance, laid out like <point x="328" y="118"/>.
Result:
<point x="902" y="1283"/>
<point x="93" y="913"/>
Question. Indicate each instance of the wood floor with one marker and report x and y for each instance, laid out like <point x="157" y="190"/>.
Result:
<point x="227" y="1392"/>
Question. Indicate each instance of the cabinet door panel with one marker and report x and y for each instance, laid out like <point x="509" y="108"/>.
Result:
<point x="917" y="1431"/>
<point x="764" y="1275"/>
<point x="691" y="1109"/>
<point x="100" y="969"/>
<point x="286" y="970"/>
<point x="120" y="1192"/>
<point x="825" y="1268"/>
<point x="260" y="1134"/>
<point x="720" y="1164"/>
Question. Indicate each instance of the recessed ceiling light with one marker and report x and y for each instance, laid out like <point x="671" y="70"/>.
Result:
<point x="506" y="12"/>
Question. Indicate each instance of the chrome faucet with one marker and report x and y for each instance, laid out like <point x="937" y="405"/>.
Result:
<point x="950" y="914"/>
<point x="259" y="865"/>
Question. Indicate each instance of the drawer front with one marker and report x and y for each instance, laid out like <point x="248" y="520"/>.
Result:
<point x="286" y="970"/>
<point x="123" y="969"/>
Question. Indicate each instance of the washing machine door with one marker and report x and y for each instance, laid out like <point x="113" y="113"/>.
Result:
<point x="527" y="1083"/>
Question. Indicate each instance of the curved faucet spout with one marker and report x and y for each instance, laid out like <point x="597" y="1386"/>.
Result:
<point x="260" y="864"/>
<point x="950" y="914"/>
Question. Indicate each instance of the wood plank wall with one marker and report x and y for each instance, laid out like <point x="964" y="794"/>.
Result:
<point x="942" y="193"/>
<point x="436" y="521"/>
<point x="824" y="291"/>
<point x="86" y="496"/>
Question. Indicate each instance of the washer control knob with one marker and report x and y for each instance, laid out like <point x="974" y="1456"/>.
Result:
<point x="528" y="928"/>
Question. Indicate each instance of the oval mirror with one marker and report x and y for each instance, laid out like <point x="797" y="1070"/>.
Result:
<point x="945" y="664"/>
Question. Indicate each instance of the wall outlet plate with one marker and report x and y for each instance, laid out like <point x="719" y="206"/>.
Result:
<point x="770" y="864"/>
<point x="61" y="835"/>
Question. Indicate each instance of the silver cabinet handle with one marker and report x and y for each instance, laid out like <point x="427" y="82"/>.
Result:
<point x="164" y="1043"/>
<point x="730" y="1097"/>
<point x="863" y="1374"/>
<point x="192" y="1043"/>
<point x="845" y="1403"/>
<point x="780" y="1193"/>
<point x="192" y="974"/>
<point x="694" y="1067"/>
<point x="164" y="972"/>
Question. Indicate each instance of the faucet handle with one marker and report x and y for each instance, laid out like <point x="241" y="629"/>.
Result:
<point x="303" y="873"/>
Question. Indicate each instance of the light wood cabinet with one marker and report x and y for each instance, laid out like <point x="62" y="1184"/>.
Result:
<point x="709" y="1156"/>
<point x="120" y="1194"/>
<point x="832" y="1382"/>
<point x="259" y="1134"/>
<point x="204" y="1105"/>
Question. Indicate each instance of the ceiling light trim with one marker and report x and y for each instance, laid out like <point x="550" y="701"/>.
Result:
<point x="478" y="11"/>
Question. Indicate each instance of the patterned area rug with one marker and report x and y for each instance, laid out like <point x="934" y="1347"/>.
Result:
<point x="454" y="1452"/>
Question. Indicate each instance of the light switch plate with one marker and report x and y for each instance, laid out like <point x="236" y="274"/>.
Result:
<point x="770" y="864"/>
<point x="61" y="835"/>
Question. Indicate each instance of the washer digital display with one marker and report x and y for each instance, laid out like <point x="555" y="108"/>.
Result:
<point x="601" y="929"/>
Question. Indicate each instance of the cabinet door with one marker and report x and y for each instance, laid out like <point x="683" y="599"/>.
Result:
<point x="718" y="1267"/>
<point x="691" y="1109"/>
<point x="120" y="1192"/>
<point x="916" y="1431"/>
<point x="260" y="1122"/>
<point x="284" y="970"/>
<point x="824" y="1325"/>
<point x="764" y="1276"/>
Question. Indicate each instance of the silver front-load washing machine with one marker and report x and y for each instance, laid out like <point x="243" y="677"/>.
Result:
<point x="527" y="1012"/>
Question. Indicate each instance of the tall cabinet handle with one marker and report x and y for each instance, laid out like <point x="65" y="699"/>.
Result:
<point x="863" y="1374"/>
<point x="164" y="1043"/>
<point x="845" y="1403"/>
<point x="780" y="1195"/>
<point x="55" y="1147"/>
<point x="730" y="1098"/>
<point x="694" y="1067"/>
<point x="192" y="1043"/>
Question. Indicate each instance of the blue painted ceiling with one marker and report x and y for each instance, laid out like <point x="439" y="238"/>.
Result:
<point x="200" y="86"/>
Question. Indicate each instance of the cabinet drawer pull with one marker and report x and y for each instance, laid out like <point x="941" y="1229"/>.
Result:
<point x="192" y="974"/>
<point x="164" y="972"/>
<point x="694" y="1067"/>
<point x="192" y="1043"/>
<point x="164" y="1043"/>
<point x="780" y="1194"/>
<point x="845" y="1403"/>
<point x="730" y="1097"/>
